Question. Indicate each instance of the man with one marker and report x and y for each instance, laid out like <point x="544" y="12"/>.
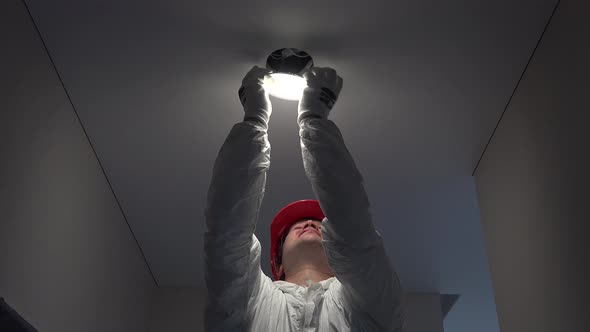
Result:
<point x="337" y="276"/>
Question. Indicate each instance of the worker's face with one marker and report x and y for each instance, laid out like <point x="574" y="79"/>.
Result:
<point x="303" y="234"/>
<point x="303" y="231"/>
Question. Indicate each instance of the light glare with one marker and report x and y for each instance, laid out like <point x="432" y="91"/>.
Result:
<point x="285" y="86"/>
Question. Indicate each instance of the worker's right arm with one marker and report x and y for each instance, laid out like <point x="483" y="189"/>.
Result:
<point x="233" y="275"/>
<point x="232" y="251"/>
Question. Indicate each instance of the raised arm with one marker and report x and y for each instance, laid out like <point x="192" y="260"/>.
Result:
<point x="232" y="251"/>
<point x="354" y="248"/>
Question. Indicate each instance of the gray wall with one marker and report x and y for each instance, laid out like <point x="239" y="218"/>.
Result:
<point x="178" y="309"/>
<point x="423" y="312"/>
<point x="68" y="261"/>
<point x="533" y="182"/>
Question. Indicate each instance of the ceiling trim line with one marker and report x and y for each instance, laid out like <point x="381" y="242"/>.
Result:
<point x="516" y="87"/>
<point x="89" y="141"/>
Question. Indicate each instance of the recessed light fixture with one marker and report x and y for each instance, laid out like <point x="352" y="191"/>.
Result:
<point x="287" y="66"/>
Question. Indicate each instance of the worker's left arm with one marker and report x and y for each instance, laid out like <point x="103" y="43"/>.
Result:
<point x="353" y="246"/>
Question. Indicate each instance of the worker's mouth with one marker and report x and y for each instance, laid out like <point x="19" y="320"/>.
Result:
<point x="310" y="230"/>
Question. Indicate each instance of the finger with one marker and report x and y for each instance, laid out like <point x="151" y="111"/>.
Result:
<point x="330" y="77"/>
<point x="330" y="72"/>
<point x="256" y="75"/>
<point x="339" y="84"/>
<point x="308" y="73"/>
<point x="267" y="71"/>
<point x="263" y="72"/>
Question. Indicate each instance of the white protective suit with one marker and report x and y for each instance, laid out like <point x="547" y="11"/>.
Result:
<point x="365" y="295"/>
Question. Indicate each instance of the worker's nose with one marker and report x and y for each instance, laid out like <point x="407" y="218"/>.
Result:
<point x="310" y="223"/>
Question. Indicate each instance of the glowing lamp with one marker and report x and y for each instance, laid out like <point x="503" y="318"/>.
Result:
<point x="287" y="66"/>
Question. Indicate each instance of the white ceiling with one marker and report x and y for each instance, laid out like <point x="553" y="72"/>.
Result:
<point x="155" y="85"/>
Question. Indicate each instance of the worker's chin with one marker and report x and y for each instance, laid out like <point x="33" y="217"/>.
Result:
<point x="310" y="240"/>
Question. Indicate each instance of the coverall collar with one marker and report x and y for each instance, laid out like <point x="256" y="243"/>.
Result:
<point x="289" y="287"/>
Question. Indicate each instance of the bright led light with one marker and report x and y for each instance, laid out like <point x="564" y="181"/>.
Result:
<point x="285" y="86"/>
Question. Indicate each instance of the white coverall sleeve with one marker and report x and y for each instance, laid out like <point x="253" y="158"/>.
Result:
<point x="232" y="251"/>
<point x="353" y="247"/>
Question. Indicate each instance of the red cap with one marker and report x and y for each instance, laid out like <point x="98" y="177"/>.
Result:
<point x="282" y="222"/>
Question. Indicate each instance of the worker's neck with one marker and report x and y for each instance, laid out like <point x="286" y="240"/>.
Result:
<point x="307" y="276"/>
